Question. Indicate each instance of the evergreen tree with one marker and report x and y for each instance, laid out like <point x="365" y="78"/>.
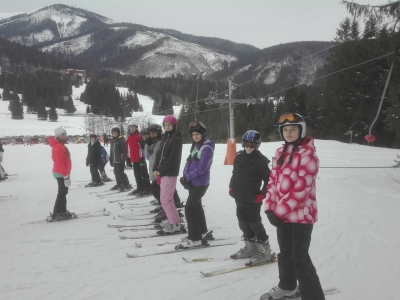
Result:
<point x="6" y="92"/>
<point x="41" y="110"/>
<point x="15" y="107"/>
<point x="53" y="116"/>
<point x="69" y="106"/>
<point x="355" y="30"/>
<point x="370" y="29"/>
<point x="88" y="110"/>
<point x="343" y="33"/>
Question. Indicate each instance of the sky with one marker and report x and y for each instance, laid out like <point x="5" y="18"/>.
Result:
<point x="261" y="23"/>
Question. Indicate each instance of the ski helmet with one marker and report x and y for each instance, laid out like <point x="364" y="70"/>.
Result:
<point x="170" y="119"/>
<point x="292" y="119"/>
<point x="155" y="128"/>
<point x="251" y="136"/>
<point x="144" y="132"/>
<point x="199" y="127"/>
<point x="117" y="130"/>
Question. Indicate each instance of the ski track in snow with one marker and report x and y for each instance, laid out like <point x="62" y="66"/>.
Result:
<point x="354" y="244"/>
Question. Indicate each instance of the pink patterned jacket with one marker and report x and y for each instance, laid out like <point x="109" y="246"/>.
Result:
<point x="291" y="187"/>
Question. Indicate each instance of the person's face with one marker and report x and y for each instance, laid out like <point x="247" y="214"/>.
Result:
<point x="115" y="134"/>
<point x="168" y="126"/>
<point x="63" y="137"/>
<point x="153" y="134"/>
<point x="145" y="137"/>
<point x="196" y="137"/>
<point x="249" y="149"/>
<point x="291" y="133"/>
<point x="92" y="139"/>
<point x="132" y="128"/>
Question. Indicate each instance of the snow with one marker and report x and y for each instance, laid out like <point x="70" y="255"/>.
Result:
<point x="354" y="247"/>
<point x="74" y="123"/>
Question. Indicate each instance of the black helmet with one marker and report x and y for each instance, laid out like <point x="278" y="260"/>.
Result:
<point x="251" y="136"/>
<point x="292" y="119"/>
<point x="199" y="127"/>
<point x="155" y="128"/>
<point x="116" y="129"/>
<point x="143" y="132"/>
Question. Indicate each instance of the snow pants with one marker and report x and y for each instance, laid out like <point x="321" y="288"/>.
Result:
<point x="120" y="176"/>
<point x="95" y="173"/>
<point x="141" y="176"/>
<point x="194" y="212"/>
<point x="155" y="190"/>
<point x="250" y="223"/>
<point x="2" y="173"/>
<point x="295" y="263"/>
<point x="61" y="201"/>
<point x="167" y="189"/>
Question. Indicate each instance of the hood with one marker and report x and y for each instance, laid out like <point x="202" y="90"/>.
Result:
<point x="210" y="143"/>
<point x="52" y="141"/>
<point x="308" y="142"/>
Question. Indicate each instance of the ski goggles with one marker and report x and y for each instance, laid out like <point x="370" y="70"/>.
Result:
<point x="249" y="145"/>
<point x="194" y="126"/>
<point x="289" y="118"/>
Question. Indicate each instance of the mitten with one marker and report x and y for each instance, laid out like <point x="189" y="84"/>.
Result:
<point x="87" y="164"/>
<point x="184" y="183"/>
<point x="67" y="181"/>
<point x="273" y="219"/>
<point x="231" y="193"/>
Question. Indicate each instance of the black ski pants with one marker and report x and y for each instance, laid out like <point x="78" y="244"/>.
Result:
<point x="141" y="176"/>
<point x="120" y="176"/>
<point x="61" y="201"/>
<point x="194" y="212"/>
<point x="155" y="190"/>
<point x="295" y="263"/>
<point x="144" y="174"/>
<point x="250" y="223"/>
<point x="95" y="173"/>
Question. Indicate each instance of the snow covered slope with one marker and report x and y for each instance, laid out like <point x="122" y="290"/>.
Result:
<point x="354" y="248"/>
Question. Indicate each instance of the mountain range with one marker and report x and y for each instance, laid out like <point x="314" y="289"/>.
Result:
<point x="94" y="41"/>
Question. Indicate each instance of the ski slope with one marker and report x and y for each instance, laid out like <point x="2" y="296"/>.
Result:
<point x="355" y="243"/>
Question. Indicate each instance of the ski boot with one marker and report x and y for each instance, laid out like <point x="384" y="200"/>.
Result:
<point x="277" y="293"/>
<point x="249" y="249"/>
<point x="262" y="255"/>
<point x="115" y="187"/>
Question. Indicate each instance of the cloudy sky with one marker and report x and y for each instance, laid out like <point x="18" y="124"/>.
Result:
<point x="261" y="23"/>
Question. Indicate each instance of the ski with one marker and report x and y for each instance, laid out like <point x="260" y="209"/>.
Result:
<point x="204" y="259"/>
<point x="158" y="234"/>
<point x="297" y="296"/>
<point x="131" y="255"/>
<point x="98" y="213"/>
<point x="135" y="230"/>
<point x="234" y="269"/>
<point x="79" y="216"/>
<point x="140" y="245"/>
<point x="134" y="218"/>
<point x="130" y="199"/>
<point x="122" y="226"/>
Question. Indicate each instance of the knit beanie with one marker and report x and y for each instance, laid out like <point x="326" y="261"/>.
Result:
<point x="59" y="131"/>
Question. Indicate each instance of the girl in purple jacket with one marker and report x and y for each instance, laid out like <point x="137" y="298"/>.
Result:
<point x="196" y="178"/>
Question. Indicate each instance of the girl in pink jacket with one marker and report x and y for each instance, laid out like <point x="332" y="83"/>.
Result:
<point x="291" y="207"/>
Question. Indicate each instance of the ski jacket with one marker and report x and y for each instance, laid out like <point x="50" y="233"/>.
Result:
<point x="249" y="172"/>
<point x="94" y="153"/>
<point x="291" y="187"/>
<point x="150" y="152"/>
<point x="61" y="157"/>
<point x="133" y="146"/>
<point x="198" y="164"/>
<point x="118" y="150"/>
<point x="168" y="159"/>
<point x="104" y="155"/>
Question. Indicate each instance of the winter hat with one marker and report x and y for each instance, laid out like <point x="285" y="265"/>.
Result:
<point x="93" y="135"/>
<point x="170" y="119"/>
<point x="116" y="129"/>
<point x="59" y="131"/>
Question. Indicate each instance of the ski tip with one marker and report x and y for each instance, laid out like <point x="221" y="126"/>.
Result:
<point x="139" y="244"/>
<point x="205" y="274"/>
<point x="130" y="255"/>
<point x="122" y="237"/>
<point x="188" y="260"/>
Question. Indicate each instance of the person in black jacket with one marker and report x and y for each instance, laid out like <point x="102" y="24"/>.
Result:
<point x="166" y="169"/>
<point x="93" y="160"/>
<point x="117" y="160"/>
<point x="250" y="170"/>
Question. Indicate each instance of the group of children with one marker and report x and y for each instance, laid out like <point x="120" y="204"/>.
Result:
<point x="288" y="190"/>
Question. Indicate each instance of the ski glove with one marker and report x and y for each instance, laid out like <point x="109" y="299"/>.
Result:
<point x="87" y="163"/>
<point x="111" y="164"/>
<point x="184" y="183"/>
<point x="273" y="219"/>
<point x="259" y="198"/>
<point x="67" y="181"/>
